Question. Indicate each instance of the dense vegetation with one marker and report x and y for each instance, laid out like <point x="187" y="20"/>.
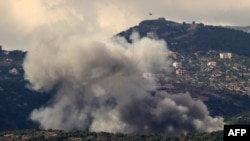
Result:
<point x="58" y="135"/>
<point x="16" y="101"/>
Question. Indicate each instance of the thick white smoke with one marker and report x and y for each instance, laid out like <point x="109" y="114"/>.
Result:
<point x="100" y="86"/>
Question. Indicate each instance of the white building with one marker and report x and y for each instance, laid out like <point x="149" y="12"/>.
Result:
<point x="211" y="64"/>
<point x="176" y="65"/>
<point x="226" y="55"/>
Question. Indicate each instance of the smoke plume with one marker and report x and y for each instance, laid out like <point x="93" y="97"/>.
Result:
<point x="99" y="86"/>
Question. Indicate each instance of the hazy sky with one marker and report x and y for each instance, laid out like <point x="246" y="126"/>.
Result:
<point x="21" y="18"/>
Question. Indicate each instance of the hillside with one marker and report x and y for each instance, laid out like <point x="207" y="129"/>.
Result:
<point x="16" y="101"/>
<point x="196" y="50"/>
<point x="221" y="83"/>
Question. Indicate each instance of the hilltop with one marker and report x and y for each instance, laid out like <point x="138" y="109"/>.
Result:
<point x="191" y="37"/>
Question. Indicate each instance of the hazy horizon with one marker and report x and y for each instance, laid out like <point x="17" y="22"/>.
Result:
<point x="20" y="19"/>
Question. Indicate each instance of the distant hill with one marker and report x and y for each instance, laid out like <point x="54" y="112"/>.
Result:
<point x="192" y="37"/>
<point x="241" y="28"/>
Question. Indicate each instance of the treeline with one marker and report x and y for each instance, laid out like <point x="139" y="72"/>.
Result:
<point x="58" y="135"/>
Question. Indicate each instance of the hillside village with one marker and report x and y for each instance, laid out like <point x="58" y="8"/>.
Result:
<point x="213" y="69"/>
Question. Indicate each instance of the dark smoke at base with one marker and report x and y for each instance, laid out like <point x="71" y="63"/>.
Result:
<point x="100" y="87"/>
<point x="165" y="113"/>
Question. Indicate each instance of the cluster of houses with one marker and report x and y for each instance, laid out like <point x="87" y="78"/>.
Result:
<point x="180" y="67"/>
<point x="181" y="71"/>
